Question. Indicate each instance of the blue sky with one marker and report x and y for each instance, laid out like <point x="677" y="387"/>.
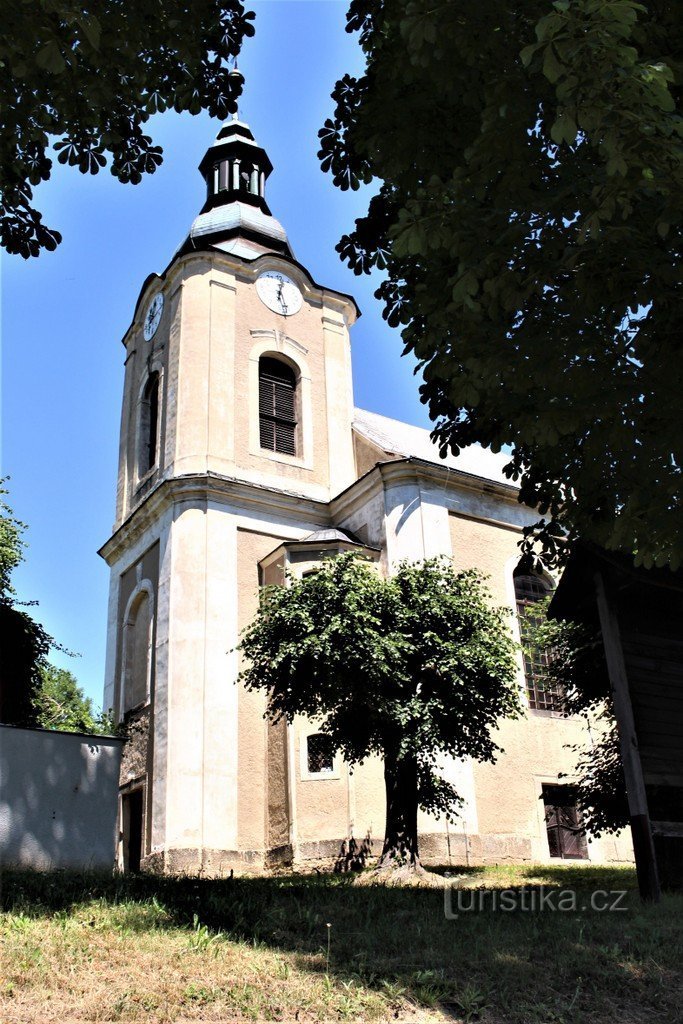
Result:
<point x="63" y="315"/>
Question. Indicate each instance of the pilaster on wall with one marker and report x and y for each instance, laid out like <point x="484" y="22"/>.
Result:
<point x="201" y="760"/>
<point x="191" y="434"/>
<point x="160" y="697"/>
<point x="339" y="397"/>
<point x="221" y="359"/>
<point x="112" y="640"/>
<point x="416" y="525"/>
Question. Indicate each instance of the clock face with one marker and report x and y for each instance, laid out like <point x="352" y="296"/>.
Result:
<point x="279" y="292"/>
<point x="153" y="316"/>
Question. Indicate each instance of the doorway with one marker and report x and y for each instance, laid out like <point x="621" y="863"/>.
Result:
<point x="131" y="829"/>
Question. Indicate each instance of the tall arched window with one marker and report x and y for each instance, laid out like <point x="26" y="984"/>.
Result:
<point x="149" y="425"/>
<point x="136" y="652"/>
<point x="277" y="406"/>
<point x="542" y="694"/>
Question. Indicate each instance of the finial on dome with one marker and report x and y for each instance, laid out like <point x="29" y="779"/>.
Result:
<point x="237" y="78"/>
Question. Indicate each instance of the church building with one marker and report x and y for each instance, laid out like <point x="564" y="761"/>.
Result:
<point x="242" y="455"/>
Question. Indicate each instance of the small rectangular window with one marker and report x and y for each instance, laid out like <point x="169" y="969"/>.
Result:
<point x="319" y="754"/>
<point x="564" y="824"/>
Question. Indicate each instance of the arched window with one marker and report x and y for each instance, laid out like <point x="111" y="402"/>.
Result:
<point x="542" y="694"/>
<point x="149" y="425"/>
<point x="136" y="652"/>
<point x="277" y="406"/>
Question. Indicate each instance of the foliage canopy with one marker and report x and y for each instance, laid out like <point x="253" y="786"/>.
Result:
<point x="528" y="222"/>
<point x="86" y="78"/>
<point x="60" y="704"/>
<point x="410" y="667"/>
<point x="23" y="642"/>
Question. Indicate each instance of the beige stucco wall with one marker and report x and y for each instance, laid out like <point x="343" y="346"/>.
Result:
<point x="536" y="747"/>
<point x="255" y="790"/>
<point x="367" y="455"/>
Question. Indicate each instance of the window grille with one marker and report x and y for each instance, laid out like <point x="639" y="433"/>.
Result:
<point x="564" y="823"/>
<point x="277" y="407"/>
<point x="319" y="754"/>
<point x="543" y="695"/>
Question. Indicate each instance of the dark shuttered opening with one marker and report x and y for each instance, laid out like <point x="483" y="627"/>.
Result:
<point x="563" y="822"/>
<point x="319" y="754"/>
<point x="277" y="407"/>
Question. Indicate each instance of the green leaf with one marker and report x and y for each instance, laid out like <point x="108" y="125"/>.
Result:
<point x="526" y="55"/>
<point x="91" y="29"/>
<point x="50" y="58"/>
<point x="552" y="68"/>
<point x="564" y="129"/>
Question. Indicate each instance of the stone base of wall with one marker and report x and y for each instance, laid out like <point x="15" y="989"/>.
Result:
<point x="207" y="863"/>
<point x="436" y="849"/>
<point x="280" y="857"/>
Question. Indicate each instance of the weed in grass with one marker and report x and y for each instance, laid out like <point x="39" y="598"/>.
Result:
<point x="428" y="987"/>
<point x="19" y="922"/>
<point x="393" y="990"/>
<point x="202" y="938"/>
<point x="471" y="1002"/>
<point x="283" y="969"/>
<point x="200" y="993"/>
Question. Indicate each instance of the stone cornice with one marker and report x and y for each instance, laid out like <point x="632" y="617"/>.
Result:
<point x="241" y="494"/>
<point x="357" y="494"/>
<point x="416" y="470"/>
<point x="342" y="303"/>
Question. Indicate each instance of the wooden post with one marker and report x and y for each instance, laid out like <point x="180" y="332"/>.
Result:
<point x="643" y="845"/>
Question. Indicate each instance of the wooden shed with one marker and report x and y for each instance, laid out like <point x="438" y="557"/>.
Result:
<point x="640" y="615"/>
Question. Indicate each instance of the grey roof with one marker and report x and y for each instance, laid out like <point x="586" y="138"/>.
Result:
<point x="403" y="440"/>
<point x="231" y="123"/>
<point x="237" y="215"/>
<point x="327" y="536"/>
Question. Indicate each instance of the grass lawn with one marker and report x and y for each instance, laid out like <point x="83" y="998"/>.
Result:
<point x="90" y="947"/>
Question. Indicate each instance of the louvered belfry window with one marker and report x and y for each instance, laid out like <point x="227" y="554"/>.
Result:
<point x="277" y="406"/>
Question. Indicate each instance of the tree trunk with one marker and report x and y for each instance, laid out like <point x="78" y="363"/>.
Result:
<point x="400" y="851"/>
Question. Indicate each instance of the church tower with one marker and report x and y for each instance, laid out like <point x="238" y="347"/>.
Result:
<point x="235" y="436"/>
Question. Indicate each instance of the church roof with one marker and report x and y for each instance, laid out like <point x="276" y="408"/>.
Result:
<point x="405" y="441"/>
<point x="237" y="219"/>
<point x="330" y="535"/>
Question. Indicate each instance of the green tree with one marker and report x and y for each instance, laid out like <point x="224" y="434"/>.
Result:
<point x="528" y="221"/>
<point x="23" y="642"/>
<point x="86" y="77"/>
<point x="575" y="665"/>
<point x="409" y="668"/>
<point x="61" y="704"/>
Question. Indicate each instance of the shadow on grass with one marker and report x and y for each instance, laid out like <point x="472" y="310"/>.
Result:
<point x="543" y="965"/>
